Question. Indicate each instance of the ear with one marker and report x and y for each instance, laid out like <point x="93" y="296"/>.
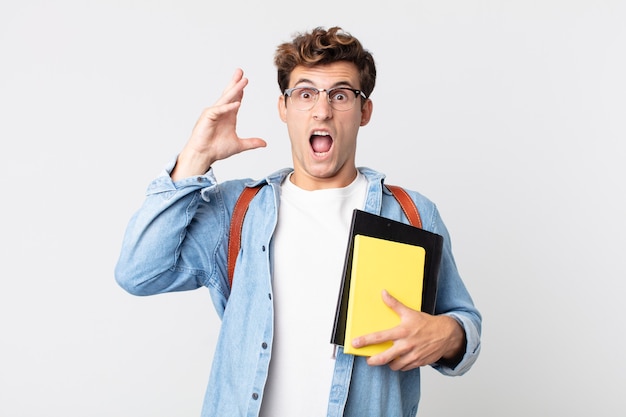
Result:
<point x="282" y="108"/>
<point x="366" y="112"/>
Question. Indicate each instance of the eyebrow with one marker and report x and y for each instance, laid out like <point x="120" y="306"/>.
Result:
<point x="337" y="84"/>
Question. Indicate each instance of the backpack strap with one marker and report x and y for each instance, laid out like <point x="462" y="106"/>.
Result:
<point x="241" y="207"/>
<point x="407" y="204"/>
<point x="236" y="224"/>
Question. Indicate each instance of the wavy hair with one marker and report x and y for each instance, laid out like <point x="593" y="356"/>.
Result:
<point x="320" y="47"/>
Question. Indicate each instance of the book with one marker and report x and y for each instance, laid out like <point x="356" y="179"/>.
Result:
<point x="384" y="254"/>
<point x="377" y="265"/>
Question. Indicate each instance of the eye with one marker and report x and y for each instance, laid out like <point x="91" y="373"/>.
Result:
<point x="306" y="94"/>
<point x="339" y="94"/>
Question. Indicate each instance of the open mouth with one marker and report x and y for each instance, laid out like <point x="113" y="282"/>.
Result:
<point x="321" y="142"/>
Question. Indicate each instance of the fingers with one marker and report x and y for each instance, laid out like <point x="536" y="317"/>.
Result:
<point x="393" y="303"/>
<point x="217" y="111"/>
<point x="252" y="143"/>
<point x="373" y="338"/>
<point x="234" y="90"/>
<point x="400" y="357"/>
<point x="384" y="335"/>
<point x="229" y="102"/>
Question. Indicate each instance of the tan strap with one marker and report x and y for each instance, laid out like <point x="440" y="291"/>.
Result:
<point x="407" y="204"/>
<point x="236" y="224"/>
<point x="241" y="207"/>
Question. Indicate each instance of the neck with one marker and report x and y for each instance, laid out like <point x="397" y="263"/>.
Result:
<point x="310" y="183"/>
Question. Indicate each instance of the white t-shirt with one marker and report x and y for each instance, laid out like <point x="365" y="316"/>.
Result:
<point x="309" y="248"/>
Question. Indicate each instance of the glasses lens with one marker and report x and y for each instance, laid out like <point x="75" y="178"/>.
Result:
<point x="304" y="98"/>
<point x="341" y="98"/>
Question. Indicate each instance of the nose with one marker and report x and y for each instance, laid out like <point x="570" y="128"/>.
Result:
<point x="322" y="109"/>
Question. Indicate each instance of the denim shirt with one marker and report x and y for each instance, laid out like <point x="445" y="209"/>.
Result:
<point x="178" y="241"/>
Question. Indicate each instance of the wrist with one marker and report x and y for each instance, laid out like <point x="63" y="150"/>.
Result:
<point x="457" y="344"/>
<point x="190" y="163"/>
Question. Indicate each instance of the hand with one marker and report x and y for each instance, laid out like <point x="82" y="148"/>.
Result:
<point x="420" y="338"/>
<point x="214" y="136"/>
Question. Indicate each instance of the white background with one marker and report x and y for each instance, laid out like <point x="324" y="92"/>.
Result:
<point x="510" y="115"/>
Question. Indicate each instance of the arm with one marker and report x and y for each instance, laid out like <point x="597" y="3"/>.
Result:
<point x="171" y="243"/>
<point x="448" y="340"/>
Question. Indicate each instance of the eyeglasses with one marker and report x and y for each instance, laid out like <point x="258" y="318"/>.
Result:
<point x="339" y="98"/>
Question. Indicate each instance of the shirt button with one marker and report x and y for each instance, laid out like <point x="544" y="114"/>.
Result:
<point x="264" y="345"/>
<point x="200" y="179"/>
<point x="263" y="248"/>
<point x="255" y="396"/>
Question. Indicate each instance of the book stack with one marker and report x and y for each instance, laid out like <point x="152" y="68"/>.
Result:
<point x="384" y="254"/>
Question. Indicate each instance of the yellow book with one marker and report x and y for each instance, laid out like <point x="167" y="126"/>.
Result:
<point x="377" y="265"/>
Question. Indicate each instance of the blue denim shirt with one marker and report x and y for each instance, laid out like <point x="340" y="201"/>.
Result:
<point x="178" y="241"/>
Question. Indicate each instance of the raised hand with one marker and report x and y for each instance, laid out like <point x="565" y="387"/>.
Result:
<point x="214" y="136"/>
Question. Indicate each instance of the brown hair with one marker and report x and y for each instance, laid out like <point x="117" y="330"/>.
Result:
<point x="320" y="47"/>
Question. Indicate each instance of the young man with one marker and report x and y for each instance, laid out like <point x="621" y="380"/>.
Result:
<point x="273" y="356"/>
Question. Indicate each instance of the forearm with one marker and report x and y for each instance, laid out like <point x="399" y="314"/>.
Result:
<point x="157" y="253"/>
<point x="455" y="303"/>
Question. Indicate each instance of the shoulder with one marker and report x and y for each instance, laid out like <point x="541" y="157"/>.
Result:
<point x="427" y="209"/>
<point x="229" y="191"/>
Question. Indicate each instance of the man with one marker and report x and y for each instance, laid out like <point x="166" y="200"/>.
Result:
<point x="273" y="356"/>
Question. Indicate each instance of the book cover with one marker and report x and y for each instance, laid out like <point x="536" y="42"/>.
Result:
<point x="377" y="265"/>
<point x="367" y="224"/>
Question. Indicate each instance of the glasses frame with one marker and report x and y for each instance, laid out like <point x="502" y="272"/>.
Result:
<point x="288" y="92"/>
